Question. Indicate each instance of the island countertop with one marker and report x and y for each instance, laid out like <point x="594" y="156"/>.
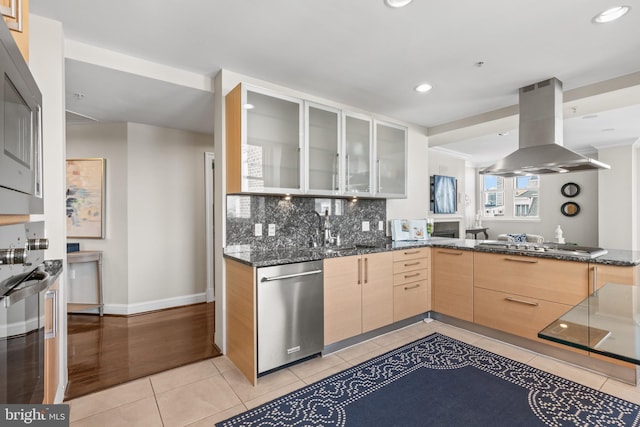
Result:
<point x="258" y="257"/>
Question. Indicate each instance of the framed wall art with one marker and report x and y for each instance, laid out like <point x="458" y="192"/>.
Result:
<point x="444" y="191"/>
<point x="85" y="196"/>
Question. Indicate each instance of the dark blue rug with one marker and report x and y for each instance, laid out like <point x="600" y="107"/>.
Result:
<point x="440" y="381"/>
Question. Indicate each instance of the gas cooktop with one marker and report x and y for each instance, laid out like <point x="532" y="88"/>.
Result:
<point x="549" y="248"/>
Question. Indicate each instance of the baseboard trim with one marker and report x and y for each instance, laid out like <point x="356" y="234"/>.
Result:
<point x="159" y="304"/>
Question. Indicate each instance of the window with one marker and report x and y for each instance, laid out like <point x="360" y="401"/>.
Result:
<point x="525" y="197"/>
<point x="493" y="195"/>
<point x="516" y="197"/>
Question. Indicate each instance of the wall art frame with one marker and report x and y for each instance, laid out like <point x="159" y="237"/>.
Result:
<point x="85" y="198"/>
<point x="444" y="194"/>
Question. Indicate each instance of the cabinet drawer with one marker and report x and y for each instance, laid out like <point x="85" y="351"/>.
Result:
<point x="410" y="277"/>
<point x="410" y="265"/>
<point x="410" y="253"/>
<point x="564" y="282"/>
<point x="515" y="314"/>
<point x="411" y="299"/>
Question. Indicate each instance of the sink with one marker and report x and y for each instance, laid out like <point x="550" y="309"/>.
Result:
<point x="330" y="250"/>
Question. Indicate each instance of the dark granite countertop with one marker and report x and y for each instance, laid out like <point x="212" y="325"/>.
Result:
<point x="264" y="258"/>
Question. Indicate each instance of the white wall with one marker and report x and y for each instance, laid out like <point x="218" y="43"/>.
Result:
<point x="580" y="229"/>
<point x="166" y="244"/>
<point x="47" y="65"/>
<point x="109" y="141"/>
<point x="154" y="249"/>
<point x="618" y="203"/>
<point x="470" y="197"/>
<point x="441" y="163"/>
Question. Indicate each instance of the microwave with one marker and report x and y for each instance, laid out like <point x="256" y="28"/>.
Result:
<point x="21" y="190"/>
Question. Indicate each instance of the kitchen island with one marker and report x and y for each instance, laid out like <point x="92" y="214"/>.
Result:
<point x="507" y="293"/>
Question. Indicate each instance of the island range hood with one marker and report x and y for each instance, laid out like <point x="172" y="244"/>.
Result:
<point x="540" y="144"/>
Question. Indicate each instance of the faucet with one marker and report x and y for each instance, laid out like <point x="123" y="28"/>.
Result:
<point x="314" y="239"/>
<point x="328" y="239"/>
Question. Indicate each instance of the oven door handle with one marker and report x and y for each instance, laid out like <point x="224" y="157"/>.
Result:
<point x="20" y="293"/>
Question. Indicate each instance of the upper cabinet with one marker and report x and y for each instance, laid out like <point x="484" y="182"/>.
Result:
<point x="391" y="160"/>
<point x="16" y="15"/>
<point x="358" y="149"/>
<point x="278" y="144"/>
<point x="264" y="142"/>
<point x="322" y="149"/>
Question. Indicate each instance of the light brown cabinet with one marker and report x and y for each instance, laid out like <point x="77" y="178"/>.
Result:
<point x="521" y="295"/>
<point x="602" y="273"/>
<point x="51" y="344"/>
<point x="242" y="338"/>
<point x="411" y="282"/>
<point x="358" y="295"/>
<point x="548" y="279"/>
<point x="452" y="283"/>
<point x="264" y="141"/>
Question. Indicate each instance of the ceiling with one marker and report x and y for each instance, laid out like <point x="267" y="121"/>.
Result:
<point x="359" y="53"/>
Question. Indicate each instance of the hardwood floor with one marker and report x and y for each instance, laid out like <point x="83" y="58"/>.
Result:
<point x="110" y="350"/>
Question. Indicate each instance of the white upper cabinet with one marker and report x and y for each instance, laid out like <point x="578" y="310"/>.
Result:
<point x="270" y="142"/>
<point x="358" y="154"/>
<point x="278" y="144"/>
<point x="322" y="149"/>
<point x="391" y="160"/>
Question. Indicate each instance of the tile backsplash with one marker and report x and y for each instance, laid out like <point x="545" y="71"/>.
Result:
<point x="299" y="220"/>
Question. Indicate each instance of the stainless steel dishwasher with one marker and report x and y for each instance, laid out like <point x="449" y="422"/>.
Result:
<point x="290" y="313"/>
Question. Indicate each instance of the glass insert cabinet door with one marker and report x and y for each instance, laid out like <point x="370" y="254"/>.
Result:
<point x="358" y="154"/>
<point x="272" y="152"/>
<point x="391" y="158"/>
<point x="323" y="139"/>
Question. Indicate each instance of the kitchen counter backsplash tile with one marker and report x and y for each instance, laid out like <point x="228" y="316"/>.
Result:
<point x="299" y="220"/>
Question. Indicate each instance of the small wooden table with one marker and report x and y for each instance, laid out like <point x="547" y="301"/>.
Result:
<point x="88" y="256"/>
<point x="475" y="232"/>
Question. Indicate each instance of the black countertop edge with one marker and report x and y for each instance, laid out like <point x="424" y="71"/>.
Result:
<point x="266" y="258"/>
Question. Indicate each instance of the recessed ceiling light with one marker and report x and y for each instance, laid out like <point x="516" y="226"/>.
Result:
<point x="503" y="133"/>
<point x="249" y="106"/>
<point x="423" y="87"/>
<point x="611" y="14"/>
<point x="397" y="3"/>
<point x="590" y="116"/>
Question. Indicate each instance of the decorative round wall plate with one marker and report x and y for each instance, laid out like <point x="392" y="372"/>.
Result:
<point x="570" y="209"/>
<point x="570" y="189"/>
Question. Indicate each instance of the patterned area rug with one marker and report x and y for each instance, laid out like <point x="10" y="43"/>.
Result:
<point x="440" y="381"/>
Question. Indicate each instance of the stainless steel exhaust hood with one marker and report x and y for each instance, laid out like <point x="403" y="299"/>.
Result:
<point x="541" y="148"/>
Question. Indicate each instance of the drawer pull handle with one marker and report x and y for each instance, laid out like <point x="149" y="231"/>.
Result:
<point x="411" y="252"/>
<point x="409" y="264"/>
<point x="406" y="276"/>
<point x="366" y="270"/>
<point x="521" y="301"/>
<point x="528" y="261"/>
<point x="406" y="288"/>
<point x="450" y="253"/>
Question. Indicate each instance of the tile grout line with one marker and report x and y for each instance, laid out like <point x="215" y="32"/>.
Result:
<point x="155" y="399"/>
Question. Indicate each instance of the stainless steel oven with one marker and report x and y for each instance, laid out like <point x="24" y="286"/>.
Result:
<point x="20" y="132"/>
<point x="24" y="279"/>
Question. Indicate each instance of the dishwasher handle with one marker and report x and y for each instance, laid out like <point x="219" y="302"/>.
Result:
<point x="290" y="276"/>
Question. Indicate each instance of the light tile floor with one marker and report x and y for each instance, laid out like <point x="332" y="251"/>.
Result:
<point x="207" y="392"/>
